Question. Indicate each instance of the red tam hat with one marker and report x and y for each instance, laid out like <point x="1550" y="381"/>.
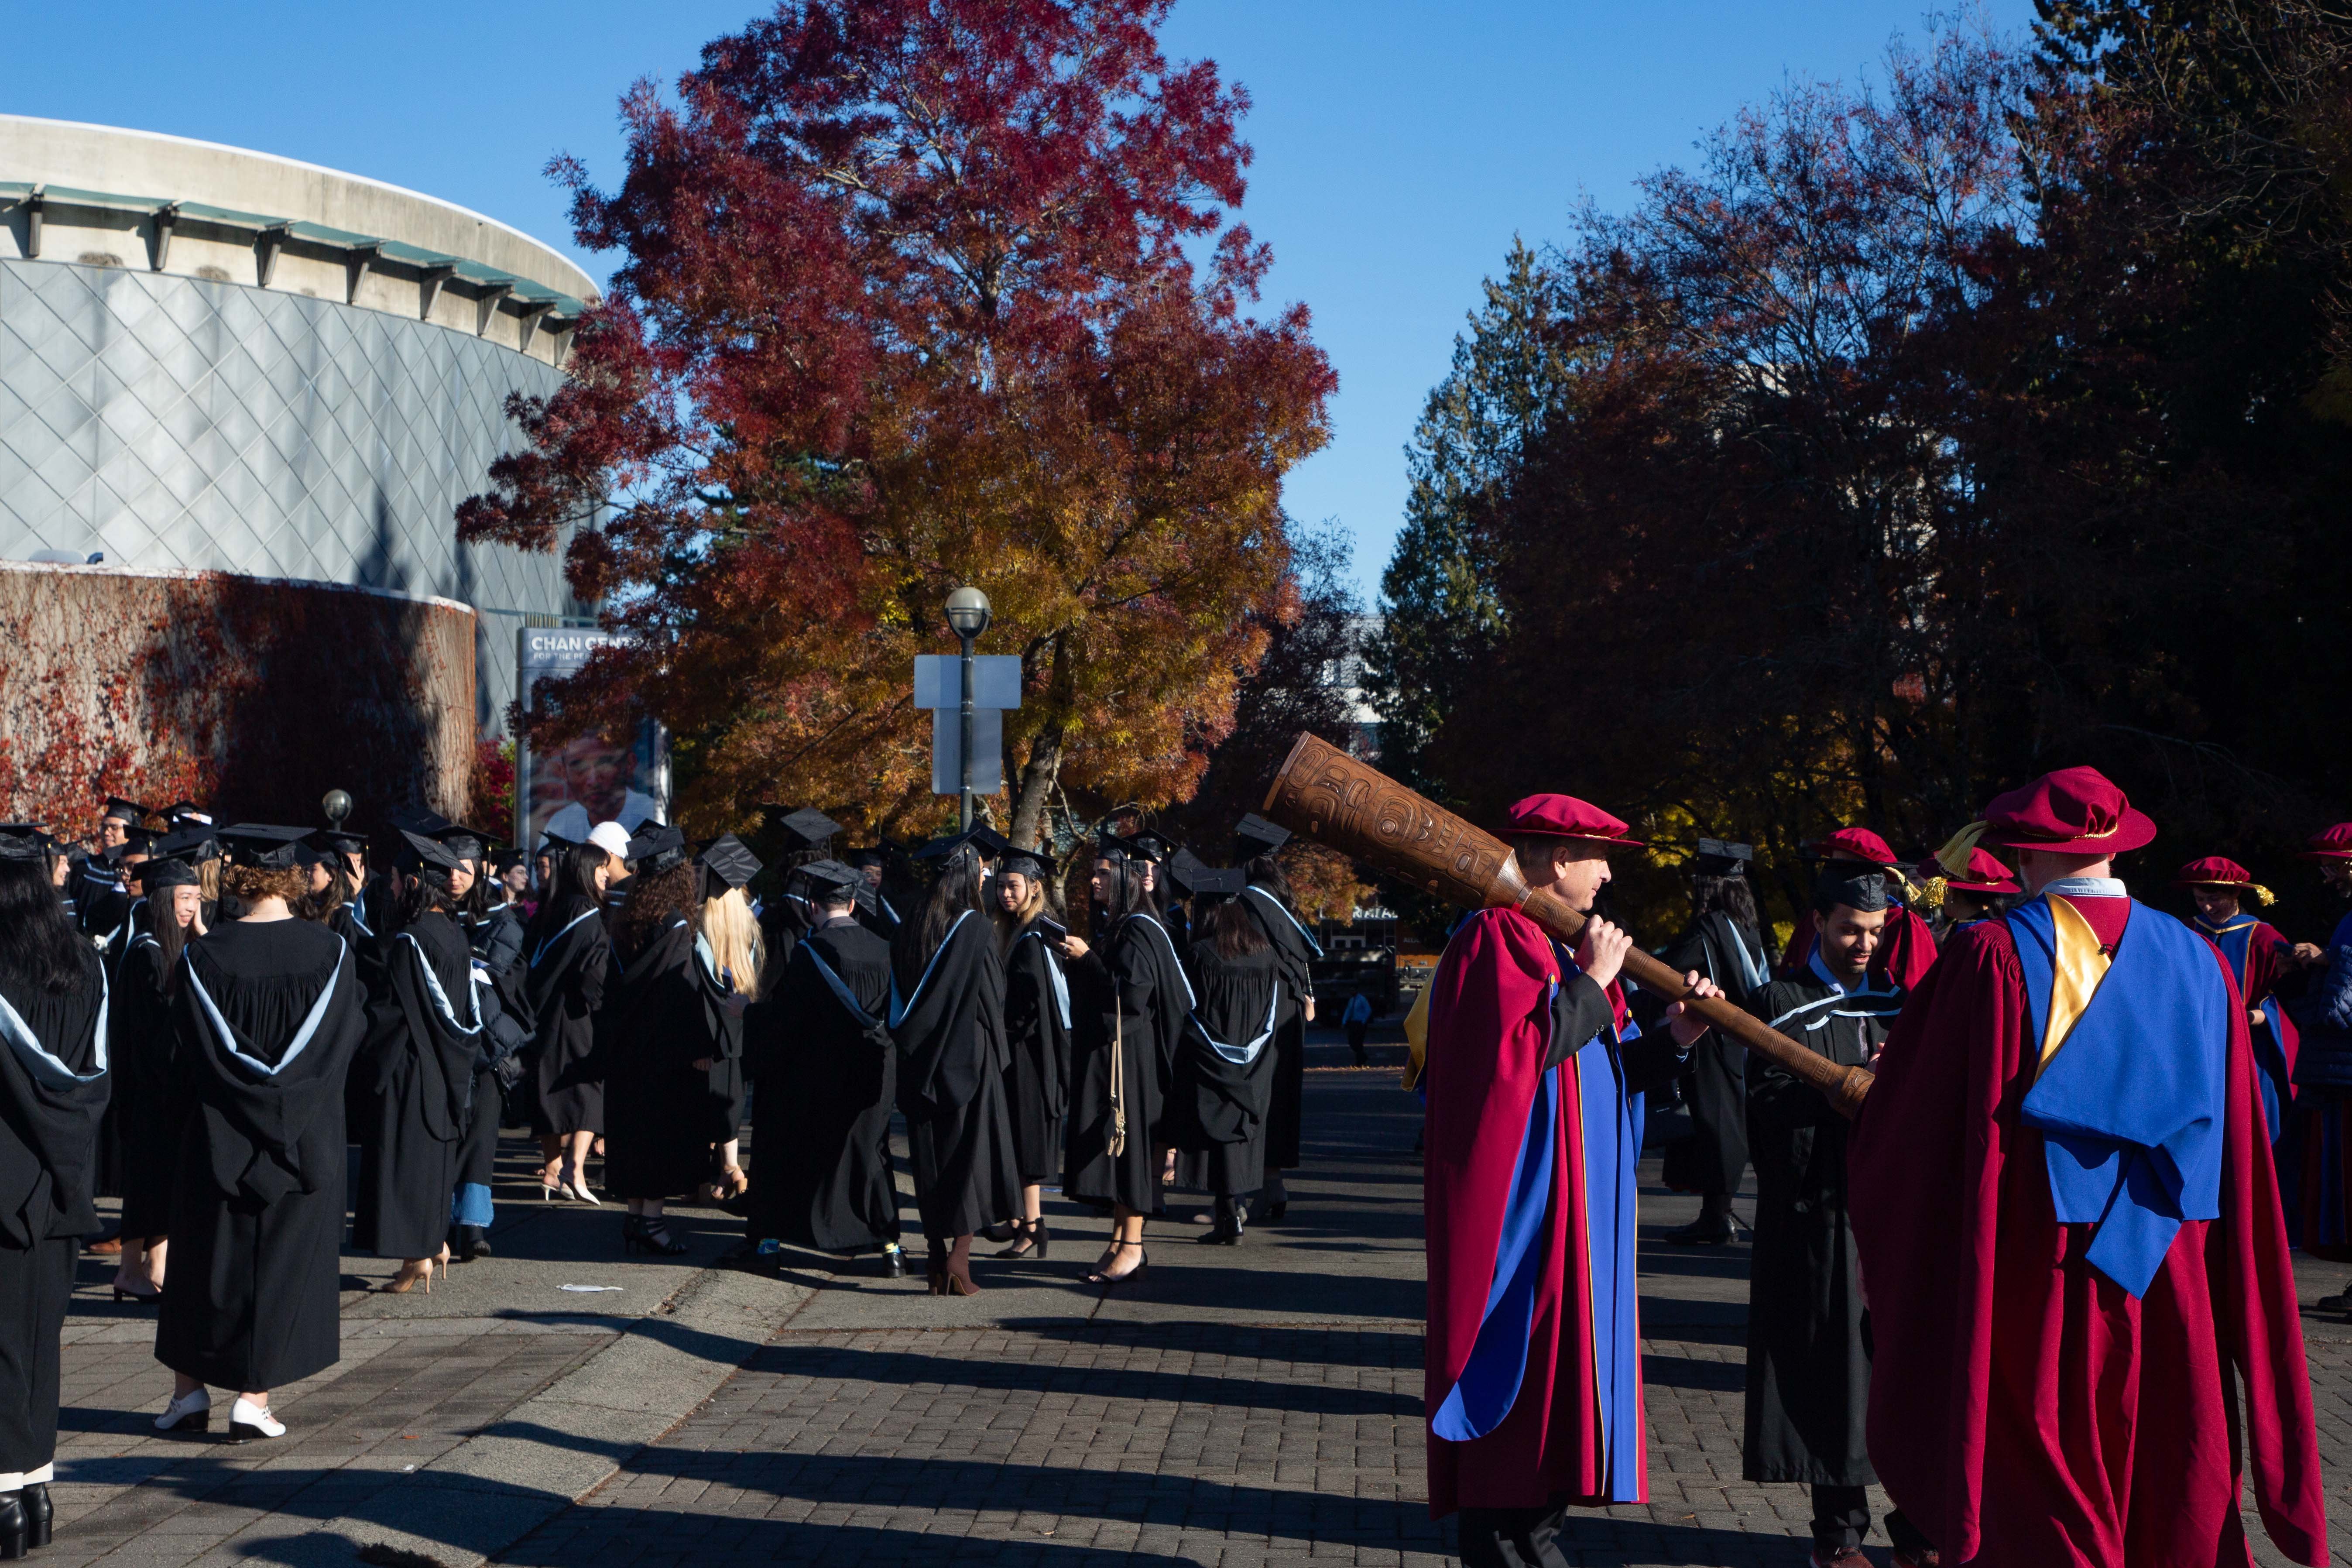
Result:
<point x="2074" y="810"/>
<point x="2215" y="871"/>
<point x="1986" y="875"/>
<point x="2335" y="844"/>
<point x="1859" y="842"/>
<point x="1565" y="816"/>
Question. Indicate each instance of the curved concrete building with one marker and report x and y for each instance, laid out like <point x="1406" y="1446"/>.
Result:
<point x="213" y="359"/>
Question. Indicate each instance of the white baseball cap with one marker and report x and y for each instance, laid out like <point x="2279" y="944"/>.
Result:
<point x="611" y="838"/>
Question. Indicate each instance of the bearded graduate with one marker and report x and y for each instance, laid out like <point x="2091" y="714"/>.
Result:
<point x="2259" y="957"/>
<point x="567" y="954"/>
<point x="1909" y="949"/>
<point x="270" y="1015"/>
<point x="658" y="1042"/>
<point x="1807" y="1353"/>
<point x="2064" y="1204"/>
<point x="947" y="1015"/>
<point x="825" y="1070"/>
<point x="53" y="1089"/>
<point x="1535" y="1079"/>
<point x="1129" y="1001"/>
<point x="424" y="1036"/>
<point x="1037" y="1030"/>
<point x="1226" y="1071"/>
<point x="143" y="1052"/>
<point x="1270" y="903"/>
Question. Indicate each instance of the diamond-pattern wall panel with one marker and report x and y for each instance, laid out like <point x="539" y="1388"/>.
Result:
<point x="173" y="422"/>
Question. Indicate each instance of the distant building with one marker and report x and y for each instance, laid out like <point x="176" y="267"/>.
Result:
<point x="1347" y="674"/>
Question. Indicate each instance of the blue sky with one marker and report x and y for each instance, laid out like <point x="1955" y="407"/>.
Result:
<point x="1401" y="143"/>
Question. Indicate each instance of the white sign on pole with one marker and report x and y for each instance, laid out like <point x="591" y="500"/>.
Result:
<point x="995" y="686"/>
<point x="996" y="680"/>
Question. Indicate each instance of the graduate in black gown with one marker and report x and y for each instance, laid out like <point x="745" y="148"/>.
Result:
<point x="947" y="1015"/>
<point x="424" y="1036"/>
<point x="493" y="928"/>
<point x="730" y="958"/>
<point x="1724" y="941"/>
<point x="1225" y="1073"/>
<point x="1037" y="1030"/>
<point x="144" y="1049"/>
<point x="53" y="1089"/>
<point x="567" y="958"/>
<point x="824" y="1069"/>
<point x="658" y="1041"/>
<point x="874" y="906"/>
<point x="269" y="1018"/>
<point x="1269" y="898"/>
<point x="1129" y="998"/>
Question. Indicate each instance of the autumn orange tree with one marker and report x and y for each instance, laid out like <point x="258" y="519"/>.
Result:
<point x="917" y="293"/>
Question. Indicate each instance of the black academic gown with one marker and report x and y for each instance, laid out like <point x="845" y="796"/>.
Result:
<point x="1225" y="1075"/>
<point x="568" y="970"/>
<point x="1038" y="1027"/>
<point x="724" y="1107"/>
<point x="356" y="920"/>
<point x="1131" y="994"/>
<point x="269" y="1018"/>
<point x="952" y="1061"/>
<point x="424" y="1036"/>
<point x="1808" y="1370"/>
<point x="657" y="1120"/>
<point x="53" y="1089"/>
<point x="1296" y="951"/>
<point x="826" y="1073"/>
<point x="496" y="942"/>
<point x="148" y="1109"/>
<point x="1716" y="1156"/>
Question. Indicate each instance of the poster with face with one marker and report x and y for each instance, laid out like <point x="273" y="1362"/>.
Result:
<point x="590" y="779"/>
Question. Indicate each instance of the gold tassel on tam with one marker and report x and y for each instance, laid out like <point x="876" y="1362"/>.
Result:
<point x="1954" y="856"/>
<point x="2263" y="895"/>
<point x="1931" y="893"/>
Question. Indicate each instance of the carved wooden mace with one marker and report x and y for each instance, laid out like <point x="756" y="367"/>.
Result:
<point x="1336" y="799"/>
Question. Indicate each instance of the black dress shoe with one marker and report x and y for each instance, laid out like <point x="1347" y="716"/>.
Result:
<point x="894" y="1263"/>
<point x="1707" y="1230"/>
<point x="13" y="1544"/>
<point x="39" y="1513"/>
<point x="468" y="1242"/>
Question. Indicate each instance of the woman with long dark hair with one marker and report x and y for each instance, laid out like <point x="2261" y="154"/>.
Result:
<point x="947" y="1015"/>
<point x="425" y="1033"/>
<point x="1270" y="900"/>
<point x="143" y="1048"/>
<point x="269" y="1015"/>
<point x="493" y="930"/>
<point x="657" y="1044"/>
<point x="53" y="1089"/>
<point x="566" y="952"/>
<point x="1129" y="1000"/>
<point x="1037" y="1033"/>
<point x="1224" y="1076"/>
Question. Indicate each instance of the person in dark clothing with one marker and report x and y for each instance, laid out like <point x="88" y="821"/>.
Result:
<point x="425" y="1036"/>
<point x="567" y="956"/>
<point x="729" y="961"/>
<point x="493" y="925"/>
<point x="53" y="1089"/>
<point x="1225" y="1072"/>
<point x="658" y="1040"/>
<point x="1037" y="1028"/>
<point x="874" y="907"/>
<point x="1723" y="943"/>
<point x="1128" y="999"/>
<point x="947" y="1015"/>
<point x="269" y="1015"/>
<point x="1808" y="1345"/>
<point x="142" y="1048"/>
<point x="1269" y="898"/>
<point x="826" y="1071"/>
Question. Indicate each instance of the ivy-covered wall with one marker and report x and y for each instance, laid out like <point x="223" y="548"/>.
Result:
<point x="253" y="696"/>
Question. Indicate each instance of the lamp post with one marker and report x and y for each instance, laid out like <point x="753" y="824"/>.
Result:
<point x="967" y="617"/>
<point x="337" y="805"/>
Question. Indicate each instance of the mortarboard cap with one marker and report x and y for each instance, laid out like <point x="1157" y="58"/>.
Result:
<point x="187" y="811"/>
<point x="195" y="844"/>
<point x="1183" y="866"/>
<point x="872" y="856"/>
<point x="1718" y="858"/>
<point x="1032" y="863"/>
<point x="339" y="840"/>
<point x="23" y="841"/>
<point x="506" y="860"/>
<point x="432" y="851"/>
<point x="466" y="843"/>
<point x="823" y="877"/>
<point x="122" y="810"/>
<point x="977" y="838"/>
<point x="657" y="848"/>
<point x="1258" y="836"/>
<point x="264" y="845"/>
<point x="154" y="876"/>
<point x="1840" y="884"/>
<point x="1217" y="882"/>
<point x="1153" y="844"/>
<point x="808" y="827"/>
<point x="139" y="840"/>
<point x="726" y="863"/>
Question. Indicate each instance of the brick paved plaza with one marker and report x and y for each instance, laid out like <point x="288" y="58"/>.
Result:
<point x="1248" y="1406"/>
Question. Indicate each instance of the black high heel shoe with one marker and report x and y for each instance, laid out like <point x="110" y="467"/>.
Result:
<point x="1142" y="1262"/>
<point x="640" y="1234"/>
<point x="13" y="1542"/>
<point x="40" y="1514"/>
<point x="1030" y="1240"/>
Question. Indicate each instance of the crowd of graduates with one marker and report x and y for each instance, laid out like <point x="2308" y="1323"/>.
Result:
<point x="214" y="1022"/>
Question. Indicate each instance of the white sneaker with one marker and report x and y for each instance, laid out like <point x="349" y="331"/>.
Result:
<point x="191" y="1412"/>
<point x="247" y="1421"/>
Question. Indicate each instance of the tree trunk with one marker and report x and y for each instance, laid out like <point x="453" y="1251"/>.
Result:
<point x="1037" y="777"/>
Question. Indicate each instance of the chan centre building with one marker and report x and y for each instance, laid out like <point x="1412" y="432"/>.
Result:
<point x="214" y="361"/>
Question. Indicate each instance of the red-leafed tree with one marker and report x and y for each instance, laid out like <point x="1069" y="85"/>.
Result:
<point x="918" y="293"/>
